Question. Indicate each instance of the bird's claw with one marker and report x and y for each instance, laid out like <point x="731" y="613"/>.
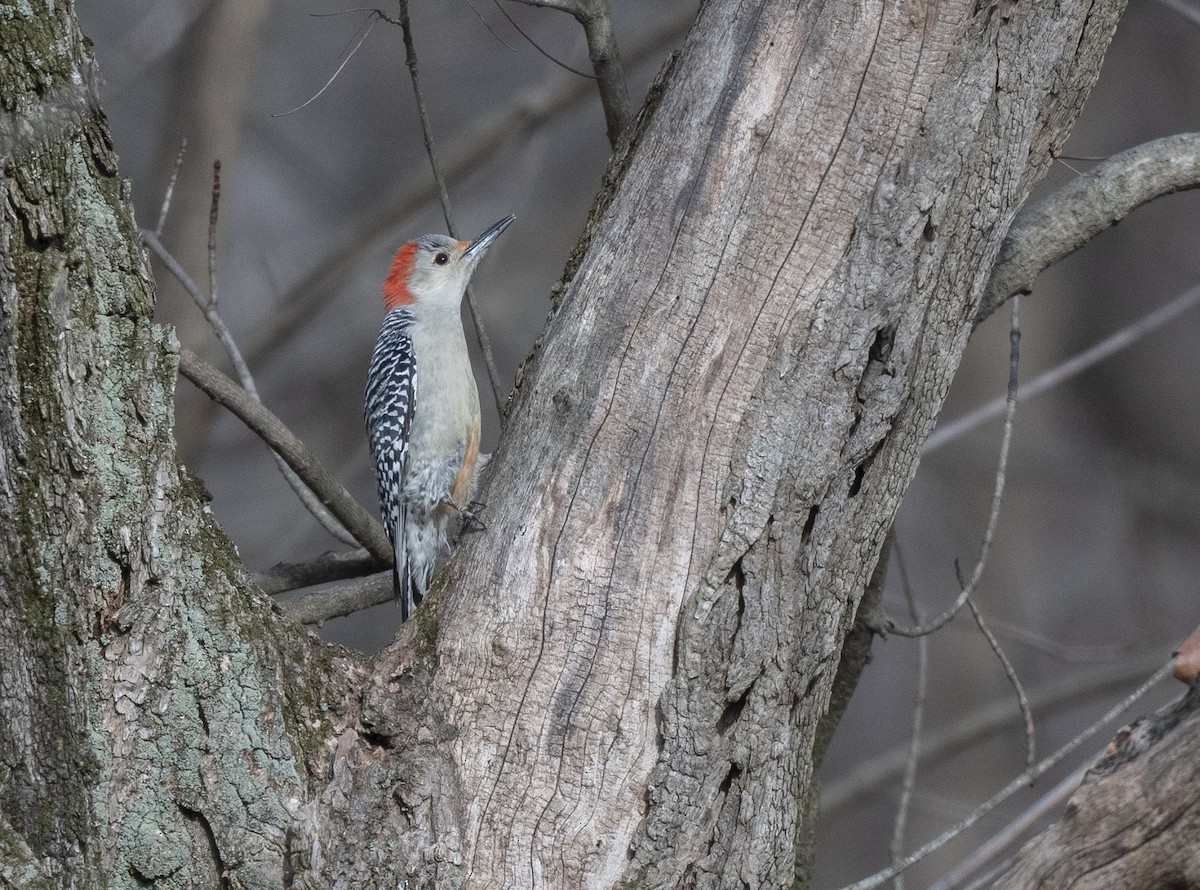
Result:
<point x="469" y="514"/>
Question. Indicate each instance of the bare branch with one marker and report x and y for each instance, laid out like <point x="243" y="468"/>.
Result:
<point x="606" y="62"/>
<point x="1133" y="821"/>
<point x="1097" y="682"/>
<point x="1072" y="367"/>
<point x="1060" y="224"/>
<point x="170" y="192"/>
<point x="997" y="489"/>
<point x="1012" y="832"/>
<point x="347" y="598"/>
<point x="283" y="442"/>
<point x="328" y="567"/>
<point x="208" y="306"/>
<point x="485" y="343"/>
<point x="571" y="7"/>
<point x="1011" y="673"/>
<point x="1026" y="778"/>
<point x="596" y="19"/>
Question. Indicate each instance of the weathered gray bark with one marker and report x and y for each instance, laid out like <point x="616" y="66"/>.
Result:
<point x="623" y="678"/>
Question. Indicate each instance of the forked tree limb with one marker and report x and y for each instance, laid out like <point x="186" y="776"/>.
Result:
<point x="595" y="17"/>
<point x="1058" y="225"/>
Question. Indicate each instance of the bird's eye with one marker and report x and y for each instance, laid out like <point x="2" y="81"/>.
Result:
<point x="442" y="258"/>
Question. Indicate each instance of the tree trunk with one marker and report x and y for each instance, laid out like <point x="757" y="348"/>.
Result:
<point x="622" y="678"/>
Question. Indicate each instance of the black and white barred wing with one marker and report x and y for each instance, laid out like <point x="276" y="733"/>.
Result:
<point x="389" y="411"/>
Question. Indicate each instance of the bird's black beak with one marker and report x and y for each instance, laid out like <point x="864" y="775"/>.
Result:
<point x="479" y="246"/>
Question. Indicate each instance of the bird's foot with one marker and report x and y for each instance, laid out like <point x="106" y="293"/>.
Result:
<point x="469" y="515"/>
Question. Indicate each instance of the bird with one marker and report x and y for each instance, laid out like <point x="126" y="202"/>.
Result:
<point x="422" y="404"/>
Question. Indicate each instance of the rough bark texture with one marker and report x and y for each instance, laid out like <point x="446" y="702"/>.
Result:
<point x="1134" y="820"/>
<point x="159" y="723"/>
<point x="724" y="419"/>
<point x="623" y="679"/>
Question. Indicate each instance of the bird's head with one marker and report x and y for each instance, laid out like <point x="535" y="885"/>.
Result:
<point x="434" y="270"/>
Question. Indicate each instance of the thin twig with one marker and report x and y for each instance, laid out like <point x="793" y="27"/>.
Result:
<point x="365" y="529"/>
<point x="1014" y="336"/>
<point x="1073" y="691"/>
<point x="1011" y="673"/>
<point x="1010" y="833"/>
<point x="307" y="497"/>
<point x="208" y="306"/>
<point x="485" y="344"/>
<point x="1026" y="778"/>
<point x="504" y="43"/>
<point x="166" y="203"/>
<point x="1072" y="367"/>
<point x="535" y="45"/>
<point x="198" y="296"/>
<point x="918" y="718"/>
<point x="365" y="27"/>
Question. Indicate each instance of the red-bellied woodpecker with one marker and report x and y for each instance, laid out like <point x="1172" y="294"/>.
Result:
<point x="422" y="406"/>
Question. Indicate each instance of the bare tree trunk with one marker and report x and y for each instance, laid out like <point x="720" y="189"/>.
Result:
<point x="622" y="679"/>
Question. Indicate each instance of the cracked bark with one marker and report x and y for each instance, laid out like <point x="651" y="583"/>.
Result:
<point x="622" y="680"/>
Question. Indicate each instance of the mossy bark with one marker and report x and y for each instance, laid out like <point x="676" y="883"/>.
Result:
<point x="148" y="733"/>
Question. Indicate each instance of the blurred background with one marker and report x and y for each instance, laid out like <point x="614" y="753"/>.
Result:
<point x="1092" y="579"/>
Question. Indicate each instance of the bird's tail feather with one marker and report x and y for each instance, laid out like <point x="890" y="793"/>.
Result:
<point x="403" y="589"/>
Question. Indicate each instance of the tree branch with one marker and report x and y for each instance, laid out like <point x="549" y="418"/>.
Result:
<point x="272" y="430"/>
<point x="1025" y="778"/>
<point x="596" y="19"/>
<point x="1060" y="224"/>
<point x="207" y="304"/>
<point x="1008" y="835"/>
<point x="346" y="599"/>
<point x="1099" y="682"/>
<point x="1134" y="820"/>
<point x="606" y="62"/>
<point x="325" y="568"/>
